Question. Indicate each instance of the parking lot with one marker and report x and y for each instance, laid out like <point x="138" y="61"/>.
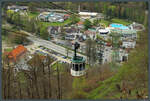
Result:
<point x="56" y="56"/>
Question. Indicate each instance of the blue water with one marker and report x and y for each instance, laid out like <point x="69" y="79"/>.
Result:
<point x="120" y="26"/>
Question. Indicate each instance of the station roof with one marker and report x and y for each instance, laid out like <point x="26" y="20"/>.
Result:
<point x="78" y="59"/>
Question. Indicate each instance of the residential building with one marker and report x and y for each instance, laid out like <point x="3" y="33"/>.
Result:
<point x="52" y="17"/>
<point x="70" y="37"/>
<point x="91" y="33"/>
<point x="53" y="30"/>
<point x="80" y="24"/>
<point x="87" y="15"/>
<point x="128" y="44"/>
<point x="128" y="34"/>
<point x="123" y="55"/>
<point x="16" y="7"/>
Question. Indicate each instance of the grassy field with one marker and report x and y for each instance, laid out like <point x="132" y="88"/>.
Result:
<point x="115" y="20"/>
<point x="33" y="14"/>
<point x="120" y="21"/>
<point x="105" y="22"/>
<point x="8" y="49"/>
<point x="46" y="24"/>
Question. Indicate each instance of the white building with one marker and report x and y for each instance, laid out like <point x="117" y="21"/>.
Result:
<point x="51" y="17"/>
<point x="70" y="37"/>
<point x="107" y="55"/>
<point x="91" y="33"/>
<point x="103" y="32"/>
<point x="16" y="7"/>
<point x="87" y="15"/>
<point x="129" y="44"/>
<point x="123" y="55"/>
<point x="129" y="34"/>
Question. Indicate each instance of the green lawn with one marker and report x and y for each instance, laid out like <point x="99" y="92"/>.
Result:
<point x="120" y="21"/>
<point x="46" y="24"/>
<point x="8" y="49"/>
<point x="105" y="22"/>
<point x="87" y="66"/>
<point x="33" y="14"/>
<point x="115" y="20"/>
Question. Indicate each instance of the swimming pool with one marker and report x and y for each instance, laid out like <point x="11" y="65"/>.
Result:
<point x="120" y="26"/>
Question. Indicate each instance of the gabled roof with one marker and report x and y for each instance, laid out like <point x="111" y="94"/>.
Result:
<point x="89" y="32"/>
<point x="80" y="23"/>
<point x="67" y="15"/>
<point x="17" y="51"/>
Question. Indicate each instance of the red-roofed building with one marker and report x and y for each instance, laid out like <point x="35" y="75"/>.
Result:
<point x="91" y="34"/>
<point x="16" y="53"/>
<point x="108" y="44"/>
<point x="66" y="16"/>
<point x="80" y="24"/>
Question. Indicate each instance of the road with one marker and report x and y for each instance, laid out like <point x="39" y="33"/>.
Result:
<point x="59" y="49"/>
<point x="48" y="44"/>
<point x="58" y="57"/>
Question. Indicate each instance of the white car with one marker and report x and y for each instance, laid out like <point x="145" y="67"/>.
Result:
<point x="61" y="20"/>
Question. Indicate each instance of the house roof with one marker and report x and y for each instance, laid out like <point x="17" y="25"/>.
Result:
<point x="67" y="15"/>
<point x="89" y="32"/>
<point x="17" y="51"/>
<point x="80" y="23"/>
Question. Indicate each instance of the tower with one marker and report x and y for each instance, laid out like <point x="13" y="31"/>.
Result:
<point x="77" y="63"/>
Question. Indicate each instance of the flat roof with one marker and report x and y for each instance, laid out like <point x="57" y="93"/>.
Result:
<point x="127" y="31"/>
<point x="88" y="13"/>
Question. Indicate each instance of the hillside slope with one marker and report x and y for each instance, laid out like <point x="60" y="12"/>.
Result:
<point x="130" y="82"/>
<point x="132" y="77"/>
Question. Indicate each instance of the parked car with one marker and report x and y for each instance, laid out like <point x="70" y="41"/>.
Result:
<point x="64" y="57"/>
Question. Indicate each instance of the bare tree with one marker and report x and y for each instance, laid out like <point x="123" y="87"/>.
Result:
<point x="49" y="74"/>
<point x="58" y="81"/>
<point x="91" y="51"/>
<point x="44" y="82"/>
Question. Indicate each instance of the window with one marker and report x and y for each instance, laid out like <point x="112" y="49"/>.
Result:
<point x="81" y="67"/>
<point x="76" y="67"/>
<point x="73" y="67"/>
